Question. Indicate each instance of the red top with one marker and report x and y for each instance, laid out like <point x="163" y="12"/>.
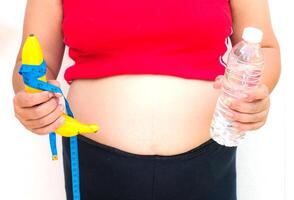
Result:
<point x="184" y="38"/>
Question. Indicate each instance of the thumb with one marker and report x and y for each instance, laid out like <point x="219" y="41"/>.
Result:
<point x="56" y="83"/>
<point x="218" y="82"/>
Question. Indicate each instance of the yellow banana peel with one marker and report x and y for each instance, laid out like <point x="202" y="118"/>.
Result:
<point x="32" y="55"/>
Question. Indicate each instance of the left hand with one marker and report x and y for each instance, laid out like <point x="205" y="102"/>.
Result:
<point x="251" y="111"/>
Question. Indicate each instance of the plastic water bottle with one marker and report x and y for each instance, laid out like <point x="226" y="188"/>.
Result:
<point x="243" y="71"/>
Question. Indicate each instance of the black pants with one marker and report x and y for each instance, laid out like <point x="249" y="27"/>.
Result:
<point x="206" y="172"/>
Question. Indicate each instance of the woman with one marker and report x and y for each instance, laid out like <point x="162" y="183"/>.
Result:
<point x="143" y="71"/>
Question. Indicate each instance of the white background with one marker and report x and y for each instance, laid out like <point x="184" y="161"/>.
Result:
<point x="265" y="161"/>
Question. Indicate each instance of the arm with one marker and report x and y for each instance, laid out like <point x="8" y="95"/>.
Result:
<point x="41" y="112"/>
<point x="42" y="18"/>
<point x="256" y="13"/>
<point x="250" y="113"/>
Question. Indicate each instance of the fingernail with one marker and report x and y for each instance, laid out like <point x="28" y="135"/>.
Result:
<point x="61" y="120"/>
<point x="229" y="114"/>
<point x="243" y="95"/>
<point x="57" y="94"/>
<point x="227" y="101"/>
<point x="234" y="124"/>
<point x="61" y="107"/>
<point x="56" y="99"/>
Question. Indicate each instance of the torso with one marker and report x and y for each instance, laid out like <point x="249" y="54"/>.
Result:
<point x="121" y="47"/>
<point x="146" y="114"/>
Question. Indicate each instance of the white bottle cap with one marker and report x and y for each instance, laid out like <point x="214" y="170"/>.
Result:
<point x="252" y="35"/>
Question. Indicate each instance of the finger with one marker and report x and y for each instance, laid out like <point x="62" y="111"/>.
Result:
<point x="56" y="83"/>
<point x="217" y="84"/>
<point x="219" y="77"/>
<point x="247" y="118"/>
<point x="26" y="100"/>
<point x="51" y="127"/>
<point x="38" y="111"/>
<point x="249" y="107"/>
<point x="22" y="122"/>
<point x="47" y="120"/>
<point x="257" y="93"/>
<point x="248" y="126"/>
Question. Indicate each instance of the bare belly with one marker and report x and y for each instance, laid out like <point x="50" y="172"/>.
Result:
<point x="146" y="114"/>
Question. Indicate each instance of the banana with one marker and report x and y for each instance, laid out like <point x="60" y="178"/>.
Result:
<point x="32" y="55"/>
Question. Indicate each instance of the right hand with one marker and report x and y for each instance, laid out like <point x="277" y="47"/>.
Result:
<point x="40" y="112"/>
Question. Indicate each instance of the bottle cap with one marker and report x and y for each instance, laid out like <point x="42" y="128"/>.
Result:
<point x="252" y="35"/>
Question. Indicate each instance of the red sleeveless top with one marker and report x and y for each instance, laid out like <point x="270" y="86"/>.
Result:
<point x="184" y="38"/>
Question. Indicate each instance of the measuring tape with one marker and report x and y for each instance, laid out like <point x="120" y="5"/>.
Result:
<point x="30" y="74"/>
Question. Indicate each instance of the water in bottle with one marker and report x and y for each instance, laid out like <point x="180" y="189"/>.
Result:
<point x="243" y="72"/>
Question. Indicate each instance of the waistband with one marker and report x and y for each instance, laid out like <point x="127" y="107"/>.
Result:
<point x="205" y="148"/>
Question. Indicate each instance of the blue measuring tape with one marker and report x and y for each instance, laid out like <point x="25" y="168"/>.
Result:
<point x="30" y="74"/>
